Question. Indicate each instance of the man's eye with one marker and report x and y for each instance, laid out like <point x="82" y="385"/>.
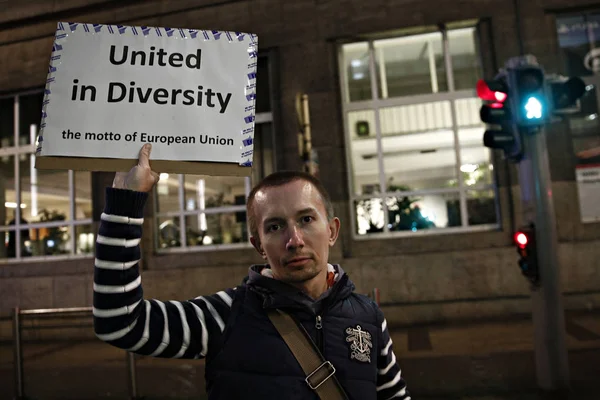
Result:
<point x="307" y="219"/>
<point x="274" y="227"/>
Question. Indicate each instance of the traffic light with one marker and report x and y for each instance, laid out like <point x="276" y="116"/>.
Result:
<point x="564" y="94"/>
<point x="529" y="95"/>
<point x="525" y="241"/>
<point x="497" y="111"/>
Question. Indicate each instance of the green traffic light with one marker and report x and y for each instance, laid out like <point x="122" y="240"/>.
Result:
<point x="533" y="108"/>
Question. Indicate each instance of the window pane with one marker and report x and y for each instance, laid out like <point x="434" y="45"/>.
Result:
<point x="168" y="232"/>
<point x="442" y="209"/>
<point x="203" y="191"/>
<point x="167" y="192"/>
<point x="356" y="68"/>
<point x="363" y="150"/>
<point x="11" y="242"/>
<point x="43" y="190"/>
<point x="418" y="146"/>
<point x="369" y="216"/>
<point x="85" y="239"/>
<point x="83" y="195"/>
<point x="7" y="122"/>
<point x="585" y="128"/>
<point x="466" y="65"/>
<point x="476" y="167"/>
<point x="8" y="197"/>
<point x="225" y="228"/>
<point x="476" y="164"/>
<point x="411" y="65"/>
<point x="416" y="213"/>
<point x="481" y="207"/>
<point x="263" y="89"/>
<point x="30" y="112"/>
<point x="574" y="36"/>
<point x="4" y="250"/>
<point x="50" y="240"/>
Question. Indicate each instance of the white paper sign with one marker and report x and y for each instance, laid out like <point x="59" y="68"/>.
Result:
<point x="111" y="88"/>
<point x="588" y="187"/>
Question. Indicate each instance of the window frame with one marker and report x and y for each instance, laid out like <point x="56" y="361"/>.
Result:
<point x="71" y="222"/>
<point x="260" y="118"/>
<point x="376" y="103"/>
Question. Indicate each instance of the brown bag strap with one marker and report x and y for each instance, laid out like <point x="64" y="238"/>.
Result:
<point x="320" y="374"/>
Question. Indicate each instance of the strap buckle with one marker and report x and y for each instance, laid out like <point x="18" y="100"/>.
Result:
<point x="330" y="369"/>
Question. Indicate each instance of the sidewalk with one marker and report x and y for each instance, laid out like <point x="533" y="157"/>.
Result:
<point x="475" y="361"/>
<point x="493" y="358"/>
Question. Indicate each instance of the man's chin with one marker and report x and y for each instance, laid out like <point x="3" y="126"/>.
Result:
<point x="298" y="275"/>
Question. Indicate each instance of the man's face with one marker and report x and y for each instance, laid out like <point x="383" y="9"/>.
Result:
<point x="295" y="235"/>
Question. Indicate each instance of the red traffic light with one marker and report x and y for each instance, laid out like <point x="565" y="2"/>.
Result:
<point x="491" y="91"/>
<point x="521" y="239"/>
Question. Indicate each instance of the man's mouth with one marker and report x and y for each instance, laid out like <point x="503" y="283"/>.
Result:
<point x="297" y="261"/>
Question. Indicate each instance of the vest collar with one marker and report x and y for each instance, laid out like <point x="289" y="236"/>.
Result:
<point x="278" y="294"/>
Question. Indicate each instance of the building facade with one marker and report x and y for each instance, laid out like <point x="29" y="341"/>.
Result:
<point x="427" y="211"/>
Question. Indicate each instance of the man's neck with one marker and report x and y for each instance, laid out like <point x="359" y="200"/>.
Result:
<point x="315" y="287"/>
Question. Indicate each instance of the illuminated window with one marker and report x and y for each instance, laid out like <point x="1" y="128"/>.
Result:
<point x="415" y="148"/>
<point x="199" y="212"/>
<point x="44" y="212"/>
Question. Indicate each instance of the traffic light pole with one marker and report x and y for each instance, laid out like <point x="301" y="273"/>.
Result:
<point x="547" y="308"/>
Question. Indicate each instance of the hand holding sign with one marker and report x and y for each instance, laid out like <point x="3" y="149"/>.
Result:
<point x="112" y="88"/>
<point x="140" y="178"/>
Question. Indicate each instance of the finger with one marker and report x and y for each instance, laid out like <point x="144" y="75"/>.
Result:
<point x="144" y="157"/>
<point x="155" y="175"/>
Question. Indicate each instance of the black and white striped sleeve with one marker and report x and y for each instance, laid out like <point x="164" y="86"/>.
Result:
<point x="188" y="329"/>
<point x="390" y="383"/>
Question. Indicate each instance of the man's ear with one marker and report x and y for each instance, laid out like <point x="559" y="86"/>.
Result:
<point x="256" y="243"/>
<point x="334" y="230"/>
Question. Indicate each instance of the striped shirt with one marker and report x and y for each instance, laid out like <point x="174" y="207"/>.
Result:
<point x="173" y="329"/>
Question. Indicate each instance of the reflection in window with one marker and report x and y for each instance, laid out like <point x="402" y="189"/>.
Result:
<point x="44" y="191"/>
<point x="8" y="200"/>
<point x="86" y="239"/>
<point x="466" y="65"/>
<point x="217" y="228"/>
<point x="210" y="193"/>
<point x="356" y="68"/>
<point x="411" y="65"/>
<point x="38" y="218"/>
<point x="361" y="125"/>
<point x="579" y="41"/>
<point x="417" y="160"/>
<point x="481" y="206"/>
<point x="414" y="213"/>
<point x="203" y="191"/>
<point x="370" y="216"/>
<point x="202" y="211"/>
<point x="168" y="232"/>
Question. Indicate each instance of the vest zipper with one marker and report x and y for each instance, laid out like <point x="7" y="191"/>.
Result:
<point x="319" y="326"/>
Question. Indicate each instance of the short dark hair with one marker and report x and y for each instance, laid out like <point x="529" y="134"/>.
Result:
<point x="279" y="179"/>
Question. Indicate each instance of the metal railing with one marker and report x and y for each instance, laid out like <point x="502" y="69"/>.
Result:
<point x="18" y="347"/>
<point x="18" y="327"/>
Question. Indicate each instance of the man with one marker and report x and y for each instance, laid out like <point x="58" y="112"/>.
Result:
<point x="292" y="227"/>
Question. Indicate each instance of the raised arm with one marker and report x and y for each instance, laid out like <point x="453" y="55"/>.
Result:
<point x="189" y="329"/>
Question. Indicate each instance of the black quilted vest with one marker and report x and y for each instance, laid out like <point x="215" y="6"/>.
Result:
<point x="255" y="363"/>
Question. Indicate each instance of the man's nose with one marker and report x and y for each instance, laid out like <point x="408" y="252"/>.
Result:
<point x="295" y="240"/>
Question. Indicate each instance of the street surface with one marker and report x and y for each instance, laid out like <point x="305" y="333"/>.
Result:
<point x="490" y="360"/>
